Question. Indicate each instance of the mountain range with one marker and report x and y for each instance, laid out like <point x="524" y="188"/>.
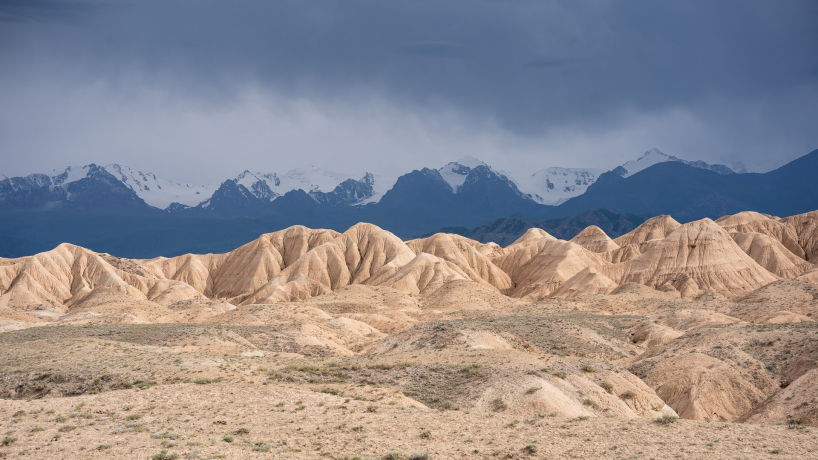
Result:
<point x="96" y="206"/>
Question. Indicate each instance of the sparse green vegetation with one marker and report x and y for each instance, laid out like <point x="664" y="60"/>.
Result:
<point x="164" y="455"/>
<point x="666" y="419"/>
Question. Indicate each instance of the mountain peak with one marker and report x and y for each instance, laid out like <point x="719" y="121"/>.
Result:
<point x="455" y="172"/>
<point x="469" y="162"/>
<point x="655" y="156"/>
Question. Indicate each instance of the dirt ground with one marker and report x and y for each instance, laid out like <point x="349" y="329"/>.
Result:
<point x="237" y="420"/>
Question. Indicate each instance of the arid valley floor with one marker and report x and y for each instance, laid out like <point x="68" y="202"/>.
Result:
<point x="673" y="341"/>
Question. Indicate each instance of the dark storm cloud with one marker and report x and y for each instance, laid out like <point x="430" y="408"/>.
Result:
<point x="716" y="80"/>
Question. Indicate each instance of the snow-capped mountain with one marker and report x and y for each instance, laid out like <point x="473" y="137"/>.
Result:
<point x="252" y="190"/>
<point x="456" y="172"/>
<point x="654" y="156"/>
<point x="314" y="181"/>
<point x="163" y="194"/>
<point x="553" y="186"/>
<point x="158" y="192"/>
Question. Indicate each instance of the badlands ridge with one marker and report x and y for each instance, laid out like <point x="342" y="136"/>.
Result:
<point x="726" y="259"/>
<point x="708" y="320"/>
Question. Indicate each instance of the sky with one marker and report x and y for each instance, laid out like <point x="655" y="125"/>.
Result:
<point x="200" y="90"/>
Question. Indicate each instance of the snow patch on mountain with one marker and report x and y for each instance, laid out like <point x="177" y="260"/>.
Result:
<point x="455" y="173"/>
<point x="648" y="159"/>
<point x="158" y="192"/>
<point x="654" y="156"/>
<point x="553" y="186"/>
<point x="380" y="185"/>
<point x="311" y="180"/>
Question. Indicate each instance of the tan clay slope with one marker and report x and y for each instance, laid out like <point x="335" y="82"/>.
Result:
<point x="753" y="222"/>
<point x="771" y="254"/>
<point x="655" y="228"/>
<point x="531" y="235"/>
<point x="464" y="254"/>
<point x="539" y="268"/>
<point x="244" y="269"/>
<point x="587" y="282"/>
<point x="697" y="256"/>
<point x="806" y="226"/>
<point x="299" y="263"/>
<point x="594" y="239"/>
<point x="67" y="274"/>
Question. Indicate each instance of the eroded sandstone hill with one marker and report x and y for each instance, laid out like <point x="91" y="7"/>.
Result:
<point x="711" y="320"/>
<point x="727" y="259"/>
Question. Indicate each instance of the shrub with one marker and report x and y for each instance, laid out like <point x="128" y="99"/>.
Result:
<point x="560" y="374"/>
<point x="425" y="434"/>
<point x="531" y="448"/>
<point x="332" y="391"/>
<point x="7" y="441"/>
<point x="628" y="395"/>
<point x="133" y="417"/>
<point x="588" y="368"/>
<point x="164" y="455"/>
<point x="371" y="408"/>
<point x="393" y="456"/>
<point x="607" y="387"/>
<point x="262" y="447"/>
<point x="19" y="413"/>
<point x="533" y="390"/>
<point x="228" y="438"/>
<point x="419" y="456"/>
<point x="666" y="419"/>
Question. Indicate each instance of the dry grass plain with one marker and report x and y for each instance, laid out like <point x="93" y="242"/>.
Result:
<point x="229" y="391"/>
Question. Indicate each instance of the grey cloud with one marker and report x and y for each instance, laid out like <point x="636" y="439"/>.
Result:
<point x="739" y="76"/>
<point x="434" y="49"/>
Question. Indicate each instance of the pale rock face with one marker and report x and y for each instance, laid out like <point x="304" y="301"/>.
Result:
<point x="587" y="282"/>
<point x="594" y="239"/>
<point x="540" y="267"/>
<point x="696" y="256"/>
<point x="806" y="227"/>
<point x="462" y="253"/>
<point x="771" y="254"/>
<point x="792" y="403"/>
<point x="700" y="387"/>
<point x="753" y="222"/>
<point x="653" y="229"/>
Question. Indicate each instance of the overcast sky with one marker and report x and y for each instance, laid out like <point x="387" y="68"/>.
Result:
<point x="200" y="90"/>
